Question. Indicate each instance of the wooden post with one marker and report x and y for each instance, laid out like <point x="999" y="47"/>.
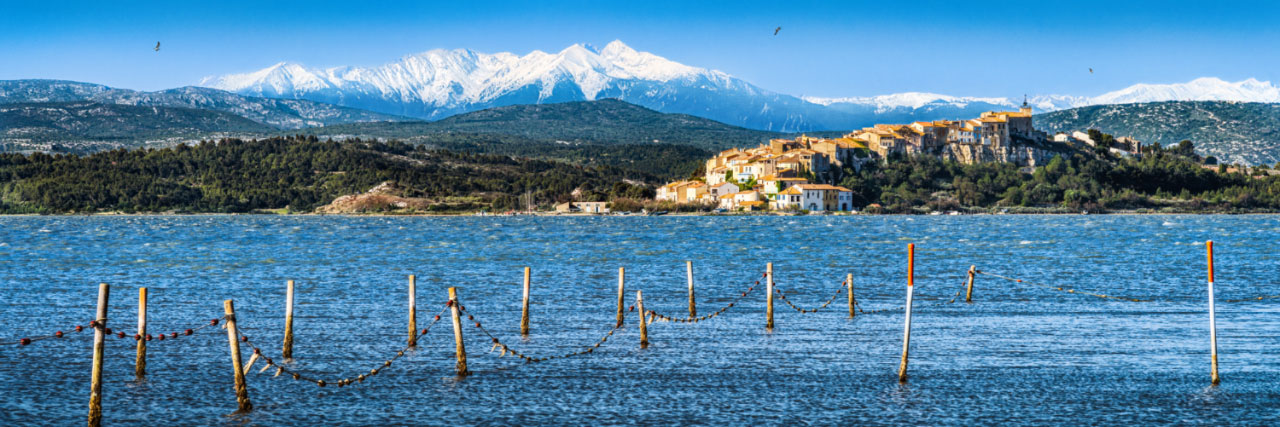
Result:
<point x="906" y="332"/>
<point x="286" y="350"/>
<point x="99" y="344"/>
<point x="242" y="392"/>
<point x="459" y="349"/>
<point x="622" y="277"/>
<point x="768" y="290"/>
<point x="852" y="302"/>
<point x="413" y="311"/>
<point x="693" y="310"/>
<point x="1213" y="326"/>
<point x="140" y="363"/>
<point x="968" y="289"/>
<point x="524" y="310"/>
<point x="644" y="330"/>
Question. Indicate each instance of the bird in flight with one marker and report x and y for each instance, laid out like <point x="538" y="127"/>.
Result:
<point x="776" y="30"/>
<point x="157" y="46"/>
<point x="1090" y="71"/>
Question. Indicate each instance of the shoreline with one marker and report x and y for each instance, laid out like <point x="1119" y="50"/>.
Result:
<point x="589" y="215"/>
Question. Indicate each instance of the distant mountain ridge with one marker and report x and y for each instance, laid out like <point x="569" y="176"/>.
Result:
<point x="280" y="113"/>
<point x="107" y="126"/>
<point x="607" y="121"/>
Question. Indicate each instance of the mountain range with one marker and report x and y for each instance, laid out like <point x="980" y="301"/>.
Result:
<point x="440" y="83"/>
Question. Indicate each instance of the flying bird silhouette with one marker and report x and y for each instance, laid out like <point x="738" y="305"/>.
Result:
<point x="776" y="30"/>
<point x="1090" y="71"/>
<point x="157" y="46"/>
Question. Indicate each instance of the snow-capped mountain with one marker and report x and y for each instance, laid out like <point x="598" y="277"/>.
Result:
<point x="1201" y="89"/>
<point x="440" y="83"/>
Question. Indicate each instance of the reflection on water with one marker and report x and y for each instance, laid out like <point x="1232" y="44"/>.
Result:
<point x="1019" y="354"/>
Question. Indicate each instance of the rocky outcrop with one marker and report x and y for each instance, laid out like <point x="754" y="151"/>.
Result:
<point x="385" y="197"/>
<point x="1019" y="154"/>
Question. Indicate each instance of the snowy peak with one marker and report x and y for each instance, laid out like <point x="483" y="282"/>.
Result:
<point x="462" y="76"/>
<point x="1201" y="89"/>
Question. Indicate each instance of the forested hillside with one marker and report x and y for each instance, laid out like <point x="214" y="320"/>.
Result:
<point x="1169" y="179"/>
<point x="1234" y="132"/>
<point x="298" y="174"/>
<point x="88" y="126"/>
<point x="607" y="121"/>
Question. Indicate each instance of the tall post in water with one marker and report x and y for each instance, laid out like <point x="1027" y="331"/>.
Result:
<point x="459" y="349"/>
<point x="644" y="329"/>
<point x="140" y="363"/>
<point x="99" y="345"/>
<point x="286" y="349"/>
<point x="622" y="277"/>
<point x="768" y="290"/>
<point x="413" y="311"/>
<point x="968" y="288"/>
<point x="906" y="332"/>
<point x="848" y="281"/>
<point x="242" y="392"/>
<point x="1213" y="326"/>
<point x="524" y="310"/>
<point x="693" y="310"/>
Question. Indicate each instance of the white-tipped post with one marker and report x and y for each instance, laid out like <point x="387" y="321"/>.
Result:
<point x="906" y="329"/>
<point x="1213" y="326"/>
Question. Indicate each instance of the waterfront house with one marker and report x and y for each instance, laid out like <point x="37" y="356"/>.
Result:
<point x="815" y="198"/>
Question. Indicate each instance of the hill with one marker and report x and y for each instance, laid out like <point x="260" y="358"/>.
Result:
<point x="278" y="113"/>
<point x="1234" y="132"/>
<point x="607" y="121"/>
<point x="598" y="133"/>
<point x="84" y="126"/>
<point x="297" y="174"/>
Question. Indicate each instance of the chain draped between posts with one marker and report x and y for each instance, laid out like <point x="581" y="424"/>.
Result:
<point x="783" y="295"/>
<point x="505" y="349"/>
<point x="101" y="325"/>
<point x="741" y="295"/>
<point x="299" y="375"/>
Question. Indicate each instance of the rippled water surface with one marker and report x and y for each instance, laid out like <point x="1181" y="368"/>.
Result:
<point x="1019" y="354"/>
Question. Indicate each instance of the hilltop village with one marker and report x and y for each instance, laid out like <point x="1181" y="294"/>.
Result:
<point x="796" y="174"/>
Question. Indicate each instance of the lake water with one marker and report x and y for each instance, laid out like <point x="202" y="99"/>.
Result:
<point x="1019" y="354"/>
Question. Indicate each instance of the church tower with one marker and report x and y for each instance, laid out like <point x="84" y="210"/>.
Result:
<point x="1026" y="108"/>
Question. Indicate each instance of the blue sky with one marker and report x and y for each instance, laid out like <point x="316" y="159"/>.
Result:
<point x="853" y="48"/>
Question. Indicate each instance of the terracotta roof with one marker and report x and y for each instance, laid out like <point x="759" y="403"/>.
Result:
<point x="820" y="187"/>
